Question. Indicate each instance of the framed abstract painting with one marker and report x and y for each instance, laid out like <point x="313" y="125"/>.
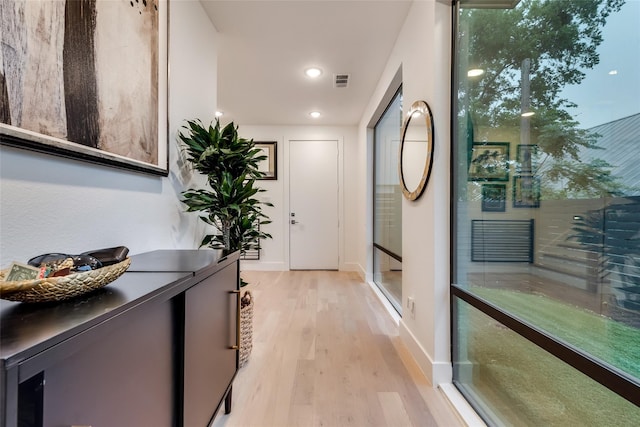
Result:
<point x="86" y="79"/>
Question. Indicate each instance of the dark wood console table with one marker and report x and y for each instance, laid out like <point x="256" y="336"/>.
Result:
<point x="153" y="348"/>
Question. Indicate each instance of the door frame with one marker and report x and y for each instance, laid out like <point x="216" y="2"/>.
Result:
<point x="287" y="195"/>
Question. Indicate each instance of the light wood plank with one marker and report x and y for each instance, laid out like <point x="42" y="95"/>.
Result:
<point x="394" y="411"/>
<point x="326" y="353"/>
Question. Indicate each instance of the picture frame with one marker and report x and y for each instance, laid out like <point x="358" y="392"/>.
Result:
<point x="270" y="165"/>
<point x="78" y="104"/>
<point x="526" y="191"/>
<point x="527" y="157"/>
<point x="494" y="197"/>
<point x="489" y="161"/>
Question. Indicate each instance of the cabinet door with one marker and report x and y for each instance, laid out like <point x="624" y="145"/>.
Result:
<point x="210" y="362"/>
<point x="119" y="373"/>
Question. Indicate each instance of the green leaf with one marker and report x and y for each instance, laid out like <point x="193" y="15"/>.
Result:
<point x="230" y="164"/>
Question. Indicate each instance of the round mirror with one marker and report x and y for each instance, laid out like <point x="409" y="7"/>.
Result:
<point x="416" y="150"/>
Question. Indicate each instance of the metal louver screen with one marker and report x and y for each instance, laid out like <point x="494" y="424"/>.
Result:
<point x="253" y="254"/>
<point x="502" y="241"/>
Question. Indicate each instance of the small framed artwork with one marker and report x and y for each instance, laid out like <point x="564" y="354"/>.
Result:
<point x="268" y="166"/>
<point x="527" y="159"/>
<point x="494" y="197"/>
<point x="526" y="191"/>
<point x="489" y="161"/>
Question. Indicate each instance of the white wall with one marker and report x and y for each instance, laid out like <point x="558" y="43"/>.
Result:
<point x="51" y="204"/>
<point x="423" y="51"/>
<point x="275" y="252"/>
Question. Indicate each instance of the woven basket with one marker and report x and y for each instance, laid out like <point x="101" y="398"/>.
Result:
<point x="60" y="288"/>
<point x="246" y="331"/>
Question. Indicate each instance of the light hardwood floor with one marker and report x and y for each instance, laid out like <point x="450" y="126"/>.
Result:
<point x="325" y="353"/>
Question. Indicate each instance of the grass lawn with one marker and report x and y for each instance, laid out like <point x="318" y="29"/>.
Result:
<point x="526" y="386"/>
<point x="613" y="342"/>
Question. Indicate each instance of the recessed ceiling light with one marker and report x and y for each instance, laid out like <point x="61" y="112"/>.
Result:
<point x="219" y="114"/>
<point x="475" y="72"/>
<point x="613" y="72"/>
<point x="315" y="114"/>
<point x="313" y="72"/>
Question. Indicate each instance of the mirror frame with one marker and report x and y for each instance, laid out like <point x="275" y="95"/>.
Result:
<point x="423" y="108"/>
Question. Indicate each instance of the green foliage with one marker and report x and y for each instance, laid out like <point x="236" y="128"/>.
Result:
<point x="231" y="166"/>
<point x="213" y="151"/>
<point x="560" y="40"/>
<point x="584" y="180"/>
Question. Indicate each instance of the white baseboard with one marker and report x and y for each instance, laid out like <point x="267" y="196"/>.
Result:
<point x="353" y="266"/>
<point x="252" y="265"/>
<point x="436" y="372"/>
<point x="248" y="265"/>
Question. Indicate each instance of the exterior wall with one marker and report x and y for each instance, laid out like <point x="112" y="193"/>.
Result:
<point x="423" y="52"/>
<point x="51" y="204"/>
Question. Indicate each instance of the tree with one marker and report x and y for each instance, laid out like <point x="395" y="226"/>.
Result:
<point x="560" y="41"/>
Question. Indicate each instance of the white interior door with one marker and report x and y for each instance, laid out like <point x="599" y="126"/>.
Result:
<point x="313" y="200"/>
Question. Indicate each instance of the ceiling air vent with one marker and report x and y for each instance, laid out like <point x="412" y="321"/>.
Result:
<point x="341" y="80"/>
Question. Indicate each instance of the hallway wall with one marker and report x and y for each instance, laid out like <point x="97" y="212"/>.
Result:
<point x="275" y="252"/>
<point x="422" y="50"/>
<point x="52" y="204"/>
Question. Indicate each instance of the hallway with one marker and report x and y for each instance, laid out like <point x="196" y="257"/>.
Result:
<point x="325" y="353"/>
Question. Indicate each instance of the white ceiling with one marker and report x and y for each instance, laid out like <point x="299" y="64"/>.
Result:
<point x="265" y="46"/>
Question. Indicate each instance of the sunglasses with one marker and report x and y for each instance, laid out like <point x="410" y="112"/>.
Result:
<point x="80" y="262"/>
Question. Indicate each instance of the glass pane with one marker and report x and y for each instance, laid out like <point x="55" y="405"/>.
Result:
<point x="546" y="176"/>
<point x="387" y="211"/>
<point x="387" y="274"/>
<point x="388" y="193"/>
<point x="512" y="381"/>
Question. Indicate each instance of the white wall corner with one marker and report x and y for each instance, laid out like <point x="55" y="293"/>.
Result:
<point x="354" y="266"/>
<point x="436" y="372"/>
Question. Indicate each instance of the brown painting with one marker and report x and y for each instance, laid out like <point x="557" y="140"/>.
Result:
<point x="84" y="77"/>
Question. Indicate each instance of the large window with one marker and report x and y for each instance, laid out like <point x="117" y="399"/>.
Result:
<point x="387" y="210"/>
<point x="546" y="250"/>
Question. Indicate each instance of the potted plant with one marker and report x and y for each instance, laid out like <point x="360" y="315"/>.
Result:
<point x="230" y="205"/>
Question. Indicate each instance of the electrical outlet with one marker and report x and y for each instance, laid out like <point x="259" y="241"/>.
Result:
<point x="411" y="305"/>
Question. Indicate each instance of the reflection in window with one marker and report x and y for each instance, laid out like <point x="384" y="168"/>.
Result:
<point x="387" y="211"/>
<point x="548" y="134"/>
